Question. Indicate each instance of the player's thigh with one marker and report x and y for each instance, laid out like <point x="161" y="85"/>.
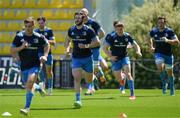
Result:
<point x="117" y="74"/>
<point x="160" y="61"/>
<point x="103" y="64"/>
<point x="77" y="73"/>
<point x="88" y="76"/>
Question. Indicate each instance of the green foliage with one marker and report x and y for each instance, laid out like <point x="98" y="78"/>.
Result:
<point x="142" y="19"/>
<point x="138" y="23"/>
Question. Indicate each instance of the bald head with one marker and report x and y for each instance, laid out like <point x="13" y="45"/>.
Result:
<point x="84" y="11"/>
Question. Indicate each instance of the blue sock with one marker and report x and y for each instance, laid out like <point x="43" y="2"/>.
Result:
<point x="78" y="97"/>
<point x="162" y="77"/>
<point x="50" y="83"/>
<point x="171" y="80"/>
<point x="29" y="96"/>
<point x="37" y="87"/>
<point x="90" y="85"/>
<point x="131" y="87"/>
<point x="122" y="88"/>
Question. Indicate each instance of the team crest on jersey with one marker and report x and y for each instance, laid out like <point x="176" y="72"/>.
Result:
<point x="155" y="35"/>
<point x="166" y="35"/>
<point x="72" y="33"/>
<point x="35" y="40"/>
<point x="116" y="41"/>
<point x="45" y="34"/>
<point x="126" y="39"/>
<point x="22" y="40"/>
<point x="84" y="33"/>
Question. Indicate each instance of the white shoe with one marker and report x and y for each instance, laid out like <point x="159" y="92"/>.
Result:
<point x="42" y="92"/>
<point x="89" y="92"/>
<point x="132" y="97"/>
<point x="24" y="111"/>
<point x="123" y="92"/>
<point x="78" y="104"/>
<point x="49" y="92"/>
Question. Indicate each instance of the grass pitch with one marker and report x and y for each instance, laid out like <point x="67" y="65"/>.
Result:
<point x="108" y="103"/>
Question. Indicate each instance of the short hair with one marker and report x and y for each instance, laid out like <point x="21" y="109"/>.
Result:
<point x="41" y="18"/>
<point x="78" y="13"/>
<point x="29" y="20"/>
<point x="118" y="23"/>
<point x="162" y="17"/>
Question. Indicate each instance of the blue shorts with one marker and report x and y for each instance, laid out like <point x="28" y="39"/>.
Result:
<point x="161" y="58"/>
<point x="26" y="73"/>
<point x="49" y="59"/>
<point x="85" y="63"/>
<point x="96" y="54"/>
<point x="118" y="65"/>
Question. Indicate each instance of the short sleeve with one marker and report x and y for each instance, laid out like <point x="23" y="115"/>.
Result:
<point x="43" y="41"/>
<point x="130" y="39"/>
<point x="16" y="42"/>
<point x="172" y="35"/>
<point x="151" y="33"/>
<point x="96" y="27"/>
<point x="108" y="39"/>
<point x="92" y="34"/>
<point x="51" y="35"/>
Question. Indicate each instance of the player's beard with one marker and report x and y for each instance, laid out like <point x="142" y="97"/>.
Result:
<point x="79" y="24"/>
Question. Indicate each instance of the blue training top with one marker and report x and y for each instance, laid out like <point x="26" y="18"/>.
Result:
<point x="160" y="46"/>
<point x="29" y="56"/>
<point x="84" y="35"/>
<point x="94" y="25"/>
<point x="118" y="44"/>
<point x="48" y="33"/>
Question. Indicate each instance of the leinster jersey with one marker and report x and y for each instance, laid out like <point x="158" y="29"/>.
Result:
<point x="160" y="45"/>
<point x="29" y="56"/>
<point x="118" y="44"/>
<point x="84" y="35"/>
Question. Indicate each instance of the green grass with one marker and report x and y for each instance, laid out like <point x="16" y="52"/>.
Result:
<point x="103" y="104"/>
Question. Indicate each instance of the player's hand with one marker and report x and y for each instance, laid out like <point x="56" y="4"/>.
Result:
<point x="164" y="39"/>
<point x="24" y="45"/>
<point x="152" y="49"/>
<point x="67" y="55"/>
<point x="113" y="58"/>
<point x="82" y="46"/>
<point x="139" y="54"/>
<point x="43" y="59"/>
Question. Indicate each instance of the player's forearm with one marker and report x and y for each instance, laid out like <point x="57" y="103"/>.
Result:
<point x="172" y="42"/>
<point x="46" y="50"/>
<point x="93" y="44"/>
<point x="52" y="42"/>
<point x="106" y="51"/>
<point x="101" y="34"/>
<point x="16" y="49"/>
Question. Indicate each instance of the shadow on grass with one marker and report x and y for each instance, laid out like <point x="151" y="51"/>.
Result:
<point x="144" y="96"/>
<point x="44" y="109"/>
<point x="108" y="98"/>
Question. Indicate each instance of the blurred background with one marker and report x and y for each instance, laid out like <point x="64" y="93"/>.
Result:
<point x="139" y="16"/>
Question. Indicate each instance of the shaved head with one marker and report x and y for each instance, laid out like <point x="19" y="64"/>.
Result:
<point x="84" y="11"/>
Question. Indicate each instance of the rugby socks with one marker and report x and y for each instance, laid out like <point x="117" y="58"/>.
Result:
<point x="163" y="80"/>
<point x="78" y="97"/>
<point x="171" y="80"/>
<point x="131" y="87"/>
<point x="29" y="96"/>
<point x="90" y="86"/>
<point x="50" y="83"/>
<point x="36" y="87"/>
